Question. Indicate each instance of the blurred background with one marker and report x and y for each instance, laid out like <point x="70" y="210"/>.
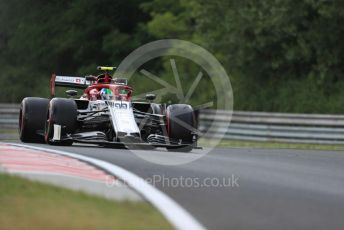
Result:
<point x="282" y="56"/>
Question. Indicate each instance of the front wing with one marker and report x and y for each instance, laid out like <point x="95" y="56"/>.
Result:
<point x="97" y="138"/>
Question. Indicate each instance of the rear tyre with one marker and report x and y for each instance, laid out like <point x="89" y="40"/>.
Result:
<point x="180" y="124"/>
<point x="32" y="119"/>
<point x="61" y="112"/>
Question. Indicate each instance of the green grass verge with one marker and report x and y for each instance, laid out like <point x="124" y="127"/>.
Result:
<point x="8" y="134"/>
<point x="8" y="131"/>
<point x="272" y="145"/>
<point x="30" y="205"/>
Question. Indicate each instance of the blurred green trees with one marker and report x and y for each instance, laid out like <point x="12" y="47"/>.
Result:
<point x="38" y="38"/>
<point x="282" y="55"/>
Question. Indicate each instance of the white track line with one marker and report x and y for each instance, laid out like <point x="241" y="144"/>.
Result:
<point x="172" y="211"/>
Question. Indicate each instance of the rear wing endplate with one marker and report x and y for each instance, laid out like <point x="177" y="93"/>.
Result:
<point x="67" y="81"/>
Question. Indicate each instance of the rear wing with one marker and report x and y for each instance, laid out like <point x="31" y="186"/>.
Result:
<point x="67" y="81"/>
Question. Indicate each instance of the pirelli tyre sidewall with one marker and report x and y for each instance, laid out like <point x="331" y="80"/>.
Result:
<point x="61" y="112"/>
<point x="32" y="119"/>
<point x="175" y="114"/>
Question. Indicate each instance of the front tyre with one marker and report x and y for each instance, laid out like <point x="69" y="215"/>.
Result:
<point x="32" y="119"/>
<point x="180" y="126"/>
<point x="61" y="112"/>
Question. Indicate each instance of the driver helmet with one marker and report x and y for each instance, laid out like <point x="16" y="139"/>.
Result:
<point x="106" y="94"/>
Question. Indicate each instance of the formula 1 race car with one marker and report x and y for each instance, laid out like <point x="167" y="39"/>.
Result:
<point x="105" y="115"/>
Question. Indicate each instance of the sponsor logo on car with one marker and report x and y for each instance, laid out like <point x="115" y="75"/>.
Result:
<point x="69" y="79"/>
<point x="119" y="105"/>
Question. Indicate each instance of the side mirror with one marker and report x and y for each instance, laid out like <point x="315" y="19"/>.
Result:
<point x="90" y="78"/>
<point x="150" y="97"/>
<point x="71" y="92"/>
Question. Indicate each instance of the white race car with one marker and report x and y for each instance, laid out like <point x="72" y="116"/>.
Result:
<point x="106" y="115"/>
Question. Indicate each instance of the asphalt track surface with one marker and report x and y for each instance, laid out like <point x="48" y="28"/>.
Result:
<point x="278" y="189"/>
